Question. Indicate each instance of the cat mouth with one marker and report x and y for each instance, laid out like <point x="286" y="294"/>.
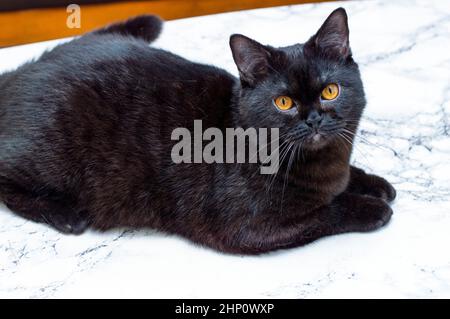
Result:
<point x="316" y="140"/>
<point x="316" y="137"/>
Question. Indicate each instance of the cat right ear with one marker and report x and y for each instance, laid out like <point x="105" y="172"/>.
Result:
<point x="332" y="39"/>
<point x="251" y="58"/>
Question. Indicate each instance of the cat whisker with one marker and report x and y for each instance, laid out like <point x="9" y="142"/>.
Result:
<point x="343" y="141"/>
<point x="286" y="177"/>
<point x="277" y="149"/>
<point x="282" y="157"/>
<point x="364" y="139"/>
<point x="267" y="145"/>
<point x="349" y="140"/>
<point x="265" y="161"/>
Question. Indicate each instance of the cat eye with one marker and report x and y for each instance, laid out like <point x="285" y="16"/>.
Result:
<point x="330" y="92"/>
<point x="283" y="102"/>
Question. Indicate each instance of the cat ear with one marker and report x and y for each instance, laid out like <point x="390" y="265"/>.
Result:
<point x="332" y="39"/>
<point x="251" y="58"/>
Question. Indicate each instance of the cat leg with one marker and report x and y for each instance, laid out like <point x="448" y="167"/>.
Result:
<point x="145" y="27"/>
<point x="368" y="184"/>
<point x="44" y="208"/>
<point x="271" y="231"/>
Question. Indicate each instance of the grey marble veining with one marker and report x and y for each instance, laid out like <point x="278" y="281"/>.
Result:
<point x="403" y="48"/>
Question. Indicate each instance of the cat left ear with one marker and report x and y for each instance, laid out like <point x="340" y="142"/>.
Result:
<point x="332" y="39"/>
<point x="251" y="58"/>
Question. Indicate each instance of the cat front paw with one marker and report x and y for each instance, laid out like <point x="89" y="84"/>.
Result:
<point x="381" y="188"/>
<point x="372" y="185"/>
<point x="366" y="213"/>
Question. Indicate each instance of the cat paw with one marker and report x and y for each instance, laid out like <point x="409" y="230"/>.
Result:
<point x="381" y="188"/>
<point x="372" y="185"/>
<point x="68" y="222"/>
<point x="372" y="213"/>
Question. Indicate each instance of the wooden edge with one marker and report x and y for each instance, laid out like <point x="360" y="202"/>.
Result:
<point x="20" y="27"/>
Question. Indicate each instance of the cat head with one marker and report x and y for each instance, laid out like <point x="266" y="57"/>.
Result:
<point x="312" y="91"/>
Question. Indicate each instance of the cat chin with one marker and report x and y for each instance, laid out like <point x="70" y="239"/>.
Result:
<point x="316" y="141"/>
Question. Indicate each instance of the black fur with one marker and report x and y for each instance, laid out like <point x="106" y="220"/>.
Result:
<point x="85" y="140"/>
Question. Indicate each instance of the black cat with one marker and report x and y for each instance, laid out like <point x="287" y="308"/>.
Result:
<point x="85" y="140"/>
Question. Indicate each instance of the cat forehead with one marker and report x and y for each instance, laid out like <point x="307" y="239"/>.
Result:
<point x="296" y="68"/>
<point x="293" y="52"/>
<point x="315" y="72"/>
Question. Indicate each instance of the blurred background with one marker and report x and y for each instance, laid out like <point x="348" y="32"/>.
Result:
<point x="26" y="21"/>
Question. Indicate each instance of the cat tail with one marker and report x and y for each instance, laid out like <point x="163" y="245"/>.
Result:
<point x="145" y="27"/>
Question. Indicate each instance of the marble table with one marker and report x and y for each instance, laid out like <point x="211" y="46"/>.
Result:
<point x="403" y="48"/>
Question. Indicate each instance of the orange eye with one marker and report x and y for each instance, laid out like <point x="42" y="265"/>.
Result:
<point x="283" y="102"/>
<point x="330" y="92"/>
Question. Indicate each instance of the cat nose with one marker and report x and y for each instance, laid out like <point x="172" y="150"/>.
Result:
<point x="314" y="119"/>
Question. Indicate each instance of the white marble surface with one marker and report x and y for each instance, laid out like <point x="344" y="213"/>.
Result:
<point x="404" y="51"/>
